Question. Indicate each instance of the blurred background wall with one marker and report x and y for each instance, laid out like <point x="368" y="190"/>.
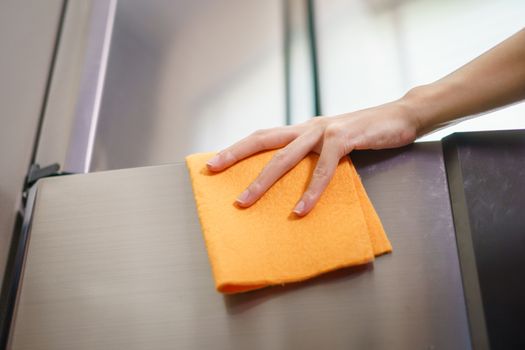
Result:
<point x="372" y="51"/>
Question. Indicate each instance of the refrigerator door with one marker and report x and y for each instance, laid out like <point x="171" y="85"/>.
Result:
<point x="116" y="260"/>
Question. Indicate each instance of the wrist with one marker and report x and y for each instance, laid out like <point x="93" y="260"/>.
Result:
<point x="436" y="105"/>
<point x="421" y="108"/>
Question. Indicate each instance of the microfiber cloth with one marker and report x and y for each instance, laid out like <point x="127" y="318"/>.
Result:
<point x="267" y="244"/>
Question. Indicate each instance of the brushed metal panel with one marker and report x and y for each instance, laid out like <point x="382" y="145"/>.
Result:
<point x="116" y="260"/>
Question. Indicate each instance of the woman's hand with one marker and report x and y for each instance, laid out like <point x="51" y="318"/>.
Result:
<point x="386" y="126"/>
<point x="492" y="80"/>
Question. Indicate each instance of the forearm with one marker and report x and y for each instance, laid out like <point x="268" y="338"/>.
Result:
<point x="492" y="80"/>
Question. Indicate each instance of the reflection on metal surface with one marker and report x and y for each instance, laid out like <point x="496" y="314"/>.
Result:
<point x="59" y="113"/>
<point x="78" y="158"/>
<point x="187" y="76"/>
<point x="116" y="260"/>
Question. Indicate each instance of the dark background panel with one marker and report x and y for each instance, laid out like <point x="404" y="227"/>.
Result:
<point x="491" y="168"/>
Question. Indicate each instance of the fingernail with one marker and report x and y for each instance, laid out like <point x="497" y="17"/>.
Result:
<point x="243" y="198"/>
<point x="299" y="208"/>
<point x="213" y="162"/>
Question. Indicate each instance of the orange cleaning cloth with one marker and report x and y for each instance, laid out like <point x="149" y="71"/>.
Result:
<point x="267" y="244"/>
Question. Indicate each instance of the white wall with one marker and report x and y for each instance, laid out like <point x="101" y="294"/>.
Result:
<point x="372" y="51"/>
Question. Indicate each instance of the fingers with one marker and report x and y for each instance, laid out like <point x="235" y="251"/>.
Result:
<point x="331" y="153"/>
<point x="335" y="144"/>
<point x="280" y="164"/>
<point x="258" y="141"/>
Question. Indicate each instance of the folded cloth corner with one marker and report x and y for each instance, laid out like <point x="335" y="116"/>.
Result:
<point x="267" y="244"/>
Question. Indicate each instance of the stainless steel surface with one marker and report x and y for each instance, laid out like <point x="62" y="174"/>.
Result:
<point x="28" y="31"/>
<point x="186" y="76"/>
<point x="116" y="260"/>
<point x="78" y="158"/>
<point x="70" y="77"/>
